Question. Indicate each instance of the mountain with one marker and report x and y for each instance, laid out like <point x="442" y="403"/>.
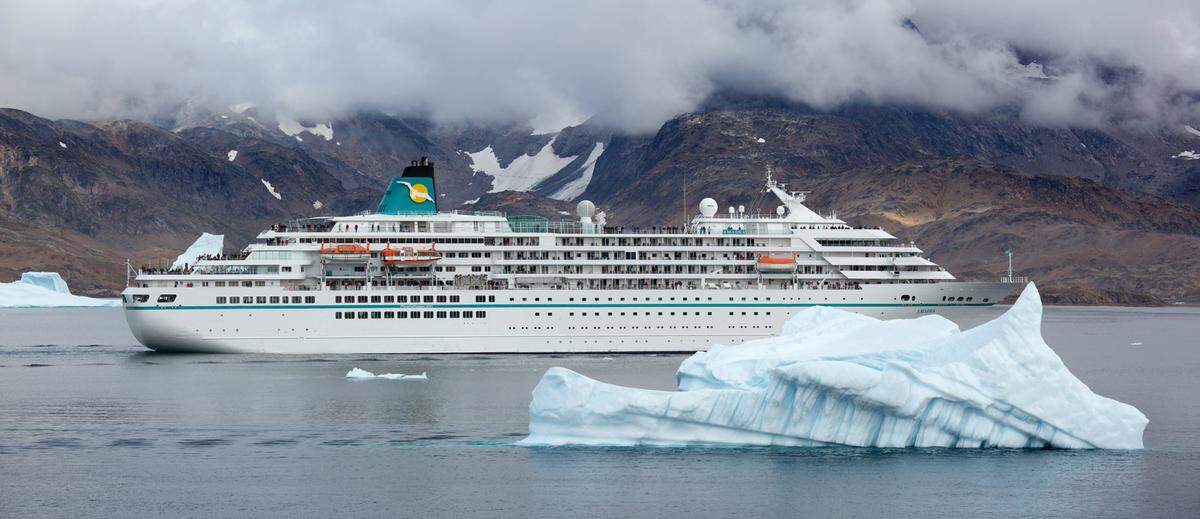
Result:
<point x="1094" y="215"/>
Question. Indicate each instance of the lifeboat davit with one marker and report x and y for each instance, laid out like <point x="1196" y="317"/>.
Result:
<point x="776" y="264"/>
<point x="346" y="252"/>
<point x="411" y="256"/>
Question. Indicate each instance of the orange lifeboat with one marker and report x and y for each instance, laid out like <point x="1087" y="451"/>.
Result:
<point x="775" y="264"/>
<point x="346" y="252"/>
<point x="411" y="256"/>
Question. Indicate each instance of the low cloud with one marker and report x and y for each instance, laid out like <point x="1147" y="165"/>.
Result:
<point x="631" y="64"/>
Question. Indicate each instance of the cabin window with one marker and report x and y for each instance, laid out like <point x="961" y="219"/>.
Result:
<point x="468" y="314"/>
<point x="337" y="315"/>
<point x="275" y="300"/>
<point x="376" y="299"/>
<point x="362" y="315"/>
<point x="262" y="300"/>
<point x="338" y="299"/>
<point x="429" y="315"/>
<point x="349" y="315"/>
<point x="904" y="297"/>
<point x="414" y="315"/>
<point x="491" y="299"/>
<point x="166" y="298"/>
<point x="389" y="299"/>
<point x="453" y="299"/>
<point x="481" y="299"/>
<point x="441" y="299"/>
<point x="480" y="314"/>
<point x="401" y="299"/>
<point x="376" y="315"/>
<point x="221" y="300"/>
<point x="296" y="300"/>
<point x="389" y="315"/>
<point x="234" y="300"/>
<point x="428" y="299"/>
<point x="401" y="315"/>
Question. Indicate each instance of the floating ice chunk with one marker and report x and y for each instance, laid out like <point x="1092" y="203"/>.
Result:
<point x="362" y="374"/>
<point x="45" y="289"/>
<point x="231" y="155"/>
<point x="832" y="377"/>
<point x="205" y="245"/>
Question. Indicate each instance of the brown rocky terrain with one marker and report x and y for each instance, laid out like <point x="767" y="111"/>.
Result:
<point x="1093" y="215"/>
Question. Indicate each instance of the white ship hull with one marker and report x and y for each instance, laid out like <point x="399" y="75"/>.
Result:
<point x="513" y="321"/>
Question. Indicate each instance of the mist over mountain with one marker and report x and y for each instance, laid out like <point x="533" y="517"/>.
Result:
<point x="632" y="65"/>
<point x="1066" y="131"/>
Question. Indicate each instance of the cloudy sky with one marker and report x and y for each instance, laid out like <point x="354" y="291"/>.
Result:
<point x="631" y="64"/>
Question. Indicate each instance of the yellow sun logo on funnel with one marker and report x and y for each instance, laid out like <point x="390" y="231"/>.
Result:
<point x="418" y="193"/>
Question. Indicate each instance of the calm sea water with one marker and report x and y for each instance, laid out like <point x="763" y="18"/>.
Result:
<point x="93" y="425"/>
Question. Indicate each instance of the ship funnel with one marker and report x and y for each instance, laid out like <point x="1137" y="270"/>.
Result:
<point x="413" y="193"/>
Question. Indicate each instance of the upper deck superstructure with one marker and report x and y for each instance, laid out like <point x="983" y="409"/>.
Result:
<point x="795" y="257"/>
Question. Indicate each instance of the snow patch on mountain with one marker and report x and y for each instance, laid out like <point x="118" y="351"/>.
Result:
<point x="271" y="189"/>
<point x="317" y="204"/>
<point x="62" y="144"/>
<point x="232" y="155"/>
<point x="524" y="172"/>
<point x="1187" y="155"/>
<point x="1191" y="130"/>
<point x="293" y="128"/>
<point x="571" y="190"/>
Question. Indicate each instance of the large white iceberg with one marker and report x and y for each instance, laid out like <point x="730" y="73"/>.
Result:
<point x="835" y="377"/>
<point x="45" y="289"/>
<point x="205" y="245"/>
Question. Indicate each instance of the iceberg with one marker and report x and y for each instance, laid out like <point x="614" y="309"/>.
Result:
<point x="205" y="245"/>
<point x="362" y="374"/>
<point x="44" y="290"/>
<point x="836" y="378"/>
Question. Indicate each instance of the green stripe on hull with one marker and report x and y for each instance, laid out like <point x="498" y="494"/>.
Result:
<point x="452" y="306"/>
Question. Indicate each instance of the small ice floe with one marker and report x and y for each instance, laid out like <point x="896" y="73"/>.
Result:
<point x="362" y="374"/>
<point x="232" y="155"/>
<point x="832" y="377"/>
<point x="62" y="144"/>
<point x="1187" y="155"/>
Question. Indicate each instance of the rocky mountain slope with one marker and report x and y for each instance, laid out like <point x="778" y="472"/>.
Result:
<point x="1095" y="215"/>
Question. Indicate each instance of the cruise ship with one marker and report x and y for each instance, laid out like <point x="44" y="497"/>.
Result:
<point x="410" y="279"/>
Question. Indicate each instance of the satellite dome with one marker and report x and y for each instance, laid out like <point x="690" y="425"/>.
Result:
<point x="585" y="209"/>
<point x="708" y="207"/>
<point x="741" y="209"/>
<point x="780" y="210"/>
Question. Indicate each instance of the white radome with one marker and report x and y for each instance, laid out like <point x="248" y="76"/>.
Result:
<point x="585" y="209"/>
<point x="708" y="207"/>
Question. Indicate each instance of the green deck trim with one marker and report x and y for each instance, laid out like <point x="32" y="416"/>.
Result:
<point x="485" y="306"/>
